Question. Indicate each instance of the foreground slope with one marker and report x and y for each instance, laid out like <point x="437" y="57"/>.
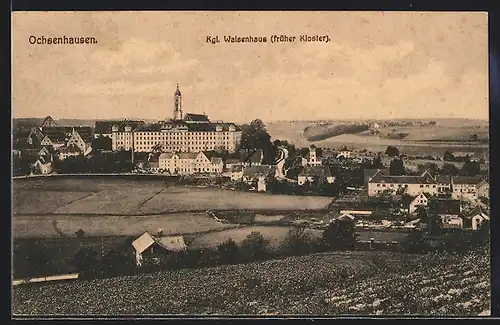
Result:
<point x="321" y="284"/>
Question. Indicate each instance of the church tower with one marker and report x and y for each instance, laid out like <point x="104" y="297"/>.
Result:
<point x="178" y="104"/>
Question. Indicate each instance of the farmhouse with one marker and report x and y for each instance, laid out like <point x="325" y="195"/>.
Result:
<point x="237" y="172"/>
<point x="411" y="203"/>
<point x="82" y="141"/>
<point x="344" y="152"/>
<point x="149" y="249"/>
<point x="413" y="185"/>
<point x="187" y="163"/>
<point x="56" y="139"/>
<point x="474" y="218"/>
<point x="483" y="189"/>
<point x="448" y="210"/>
<point x="42" y="165"/>
<point x="259" y="176"/>
<point x="465" y="188"/>
<point x="369" y="173"/>
<point x="318" y="174"/>
<point x="69" y="151"/>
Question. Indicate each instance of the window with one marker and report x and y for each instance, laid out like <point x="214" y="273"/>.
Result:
<point x="421" y="186"/>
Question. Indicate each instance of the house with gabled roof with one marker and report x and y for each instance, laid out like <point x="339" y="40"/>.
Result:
<point x="465" y="187"/>
<point x="42" y="165"/>
<point x="82" y="141"/>
<point x="259" y="175"/>
<point x="414" y="185"/>
<point x="150" y="249"/>
<point x="483" y="189"/>
<point x="369" y="173"/>
<point x="187" y="163"/>
<point x="312" y="158"/>
<point x="69" y="151"/>
<point x="449" y="210"/>
<point x="475" y="217"/>
<point x="319" y="174"/>
<point x="411" y="203"/>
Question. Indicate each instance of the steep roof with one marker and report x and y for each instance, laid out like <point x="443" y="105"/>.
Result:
<point x="437" y="206"/>
<point x="71" y="149"/>
<point x="443" y="179"/>
<point x="216" y="160"/>
<point x="133" y="124"/>
<point x="477" y="210"/>
<point x="21" y="123"/>
<point x="316" y="171"/>
<point x="171" y="243"/>
<point x="368" y="173"/>
<point x="190" y="117"/>
<point x="259" y="171"/>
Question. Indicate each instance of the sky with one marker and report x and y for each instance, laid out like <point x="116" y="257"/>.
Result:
<point x="377" y="65"/>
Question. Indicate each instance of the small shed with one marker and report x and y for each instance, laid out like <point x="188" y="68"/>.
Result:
<point x="148" y="247"/>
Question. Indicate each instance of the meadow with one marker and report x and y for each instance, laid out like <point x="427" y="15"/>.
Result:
<point x="352" y="283"/>
<point x="275" y="235"/>
<point x="87" y="196"/>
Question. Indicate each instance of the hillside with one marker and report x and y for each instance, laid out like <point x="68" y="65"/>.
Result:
<point x="320" y="284"/>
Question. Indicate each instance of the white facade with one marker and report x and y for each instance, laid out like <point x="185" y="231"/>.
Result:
<point x="301" y="180"/>
<point x="464" y="192"/>
<point x="412" y="188"/>
<point x="186" y="163"/>
<point x="344" y="154"/>
<point x="77" y="141"/>
<point x="478" y="219"/>
<point x="313" y="158"/>
<point x="420" y="200"/>
<point x="483" y="190"/>
<point x="43" y="167"/>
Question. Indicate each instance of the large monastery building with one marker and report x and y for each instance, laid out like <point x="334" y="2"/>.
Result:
<point x="182" y="133"/>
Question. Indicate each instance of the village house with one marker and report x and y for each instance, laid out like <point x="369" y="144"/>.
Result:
<point x="369" y="173"/>
<point x="483" y="189"/>
<point x="448" y="210"/>
<point x="413" y="185"/>
<point x="465" y="188"/>
<point x="411" y="203"/>
<point x="319" y="174"/>
<point x="150" y="249"/>
<point x="344" y="152"/>
<point x="82" y="141"/>
<point x="42" y="166"/>
<point x="187" y="163"/>
<point x="237" y="173"/>
<point x="474" y="218"/>
<point x="56" y="139"/>
<point x="258" y="176"/>
<point x="69" y="151"/>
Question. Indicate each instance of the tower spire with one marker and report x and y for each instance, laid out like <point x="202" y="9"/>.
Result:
<point x="177" y="104"/>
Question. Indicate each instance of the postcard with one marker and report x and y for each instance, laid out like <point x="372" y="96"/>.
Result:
<point x="233" y="163"/>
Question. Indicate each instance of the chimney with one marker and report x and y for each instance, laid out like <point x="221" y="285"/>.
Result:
<point x="160" y="233"/>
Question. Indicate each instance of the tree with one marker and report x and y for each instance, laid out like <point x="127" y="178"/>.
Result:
<point x="421" y="213"/>
<point x="117" y="262"/>
<point x="254" y="247"/>
<point x="228" y="252"/>
<point x="392" y="151"/>
<point x="449" y="169"/>
<point x="432" y="168"/>
<point x="377" y="162"/>
<point x="86" y="262"/>
<point x="397" y="167"/>
<point x="340" y="234"/>
<point x="414" y="242"/>
<point x="434" y="225"/>
<point x="297" y="240"/>
<point x="470" y="168"/>
<point x="102" y="143"/>
<point x="448" y="156"/>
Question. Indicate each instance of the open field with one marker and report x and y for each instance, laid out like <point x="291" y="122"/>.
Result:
<point x="135" y="197"/>
<point x="54" y="226"/>
<point x="320" y="284"/>
<point x="275" y="235"/>
<point x="447" y="135"/>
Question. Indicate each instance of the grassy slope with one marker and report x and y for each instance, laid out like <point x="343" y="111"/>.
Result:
<point x="322" y="284"/>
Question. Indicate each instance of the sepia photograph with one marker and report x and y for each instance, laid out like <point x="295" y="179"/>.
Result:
<point x="250" y="163"/>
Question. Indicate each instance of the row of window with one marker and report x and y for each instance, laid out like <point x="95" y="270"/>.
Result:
<point x="180" y="133"/>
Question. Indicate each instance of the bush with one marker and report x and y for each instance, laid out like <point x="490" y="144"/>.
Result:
<point x="117" y="262"/>
<point x="254" y="247"/>
<point x="297" y="241"/>
<point x="86" y="263"/>
<point x="228" y="252"/>
<point x="339" y="235"/>
<point x="208" y="257"/>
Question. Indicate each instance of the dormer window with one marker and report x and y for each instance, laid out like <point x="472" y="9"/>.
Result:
<point x="218" y="128"/>
<point x="232" y="128"/>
